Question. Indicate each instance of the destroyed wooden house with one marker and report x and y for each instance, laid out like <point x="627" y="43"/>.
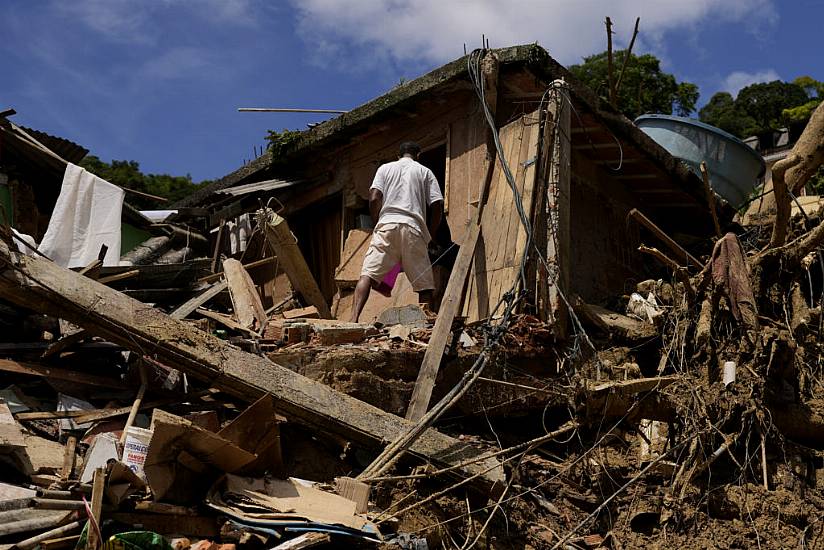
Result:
<point x="224" y="397"/>
<point x="319" y="182"/>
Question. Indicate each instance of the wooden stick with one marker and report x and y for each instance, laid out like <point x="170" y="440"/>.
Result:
<point x="679" y="251"/>
<point x="660" y="256"/>
<point x="710" y="198"/>
<point x="288" y="110"/>
<point x="145" y="195"/>
<point x="218" y="241"/>
<point x="92" y="538"/>
<point x="626" y="57"/>
<point x="195" y="302"/>
<point x="51" y="534"/>
<point x="764" y="459"/>
<point x="119" y="276"/>
<point x="144" y="383"/>
<point x="610" y="75"/>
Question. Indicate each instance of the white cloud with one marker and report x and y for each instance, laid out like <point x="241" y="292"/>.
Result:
<point x="136" y="21"/>
<point x="435" y="31"/>
<point x="177" y="63"/>
<point x="741" y="79"/>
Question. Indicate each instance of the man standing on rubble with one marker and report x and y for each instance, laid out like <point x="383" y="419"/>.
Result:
<point x="398" y="200"/>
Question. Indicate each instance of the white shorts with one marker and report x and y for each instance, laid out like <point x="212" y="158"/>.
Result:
<point x="395" y="243"/>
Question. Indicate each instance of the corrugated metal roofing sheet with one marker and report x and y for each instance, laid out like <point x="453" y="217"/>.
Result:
<point x="268" y="185"/>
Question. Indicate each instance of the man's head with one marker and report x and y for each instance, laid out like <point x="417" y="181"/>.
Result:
<point x="410" y="149"/>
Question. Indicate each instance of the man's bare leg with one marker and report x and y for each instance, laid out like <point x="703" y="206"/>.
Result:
<point x="362" y="290"/>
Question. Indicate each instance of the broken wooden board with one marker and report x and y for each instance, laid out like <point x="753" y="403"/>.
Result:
<point x="179" y="453"/>
<point x="450" y="306"/>
<point x="195" y="302"/>
<point x="246" y="302"/>
<point x="503" y="237"/>
<point x="38" y="284"/>
<point x="610" y="322"/>
<point x="280" y="238"/>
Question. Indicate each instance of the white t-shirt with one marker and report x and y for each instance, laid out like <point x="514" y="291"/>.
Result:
<point x="408" y="188"/>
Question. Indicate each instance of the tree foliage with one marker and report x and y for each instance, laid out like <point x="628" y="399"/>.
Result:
<point x="645" y="88"/>
<point x="763" y="107"/>
<point x="126" y="173"/>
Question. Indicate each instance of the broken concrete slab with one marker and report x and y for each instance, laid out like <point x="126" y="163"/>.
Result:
<point x="410" y="315"/>
<point x="36" y="283"/>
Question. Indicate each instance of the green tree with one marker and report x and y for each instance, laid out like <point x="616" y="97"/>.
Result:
<point x="645" y="88"/>
<point x="127" y="174"/>
<point x="721" y="112"/>
<point x="765" y="102"/>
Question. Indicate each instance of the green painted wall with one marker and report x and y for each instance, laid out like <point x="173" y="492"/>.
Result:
<point x="130" y="237"/>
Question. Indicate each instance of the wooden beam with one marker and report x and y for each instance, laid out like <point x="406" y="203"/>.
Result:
<point x="196" y="301"/>
<point x="450" y="306"/>
<point x="676" y="248"/>
<point x="45" y="287"/>
<point x="98" y="485"/>
<point x="286" y="249"/>
<point x="246" y="302"/>
<point x="35" y="369"/>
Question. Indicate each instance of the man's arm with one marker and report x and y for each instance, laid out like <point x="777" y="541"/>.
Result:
<point x="435" y="216"/>
<point x="375" y="204"/>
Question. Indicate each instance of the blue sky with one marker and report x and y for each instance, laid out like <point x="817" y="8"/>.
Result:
<point x="159" y="81"/>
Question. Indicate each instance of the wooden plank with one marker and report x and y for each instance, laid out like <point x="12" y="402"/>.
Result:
<point x="196" y="301"/>
<point x="34" y="369"/>
<point x="98" y="485"/>
<point x="677" y="249"/>
<point x="286" y="248"/>
<point x="450" y="305"/>
<point x="503" y="238"/>
<point x="226" y="321"/>
<point x="41" y="285"/>
<point x="245" y="299"/>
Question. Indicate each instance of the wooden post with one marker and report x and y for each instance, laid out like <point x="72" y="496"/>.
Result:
<point x="218" y="243"/>
<point x="451" y="304"/>
<point x="282" y="241"/>
<point x="47" y="288"/>
<point x="610" y="73"/>
<point x="559" y="210"/>
<point x="98" y="485"/>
